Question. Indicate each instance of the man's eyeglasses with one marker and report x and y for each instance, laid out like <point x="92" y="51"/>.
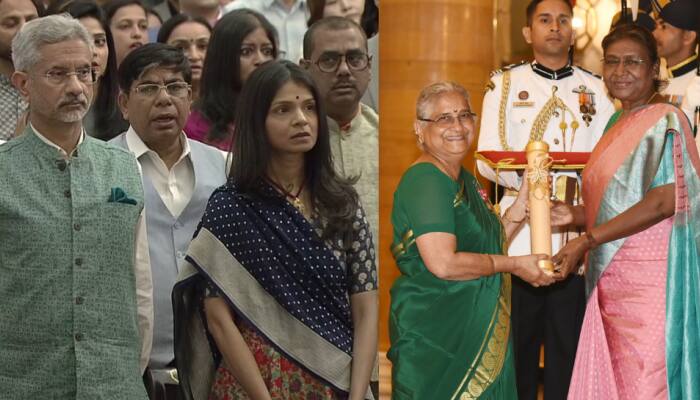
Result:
<point x="84" y="75"/>
<point x="356" y="61"/>
<point x="448" y="120"/>
<point x="627" y="62"/>
<point x="173" y="89"/>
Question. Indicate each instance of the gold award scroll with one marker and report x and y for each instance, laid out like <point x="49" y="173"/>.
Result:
<point x="538" y="162"/>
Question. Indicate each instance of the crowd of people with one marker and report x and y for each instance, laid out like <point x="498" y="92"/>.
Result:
<point x="133" y="128"/>
<point x="471" y="310"/>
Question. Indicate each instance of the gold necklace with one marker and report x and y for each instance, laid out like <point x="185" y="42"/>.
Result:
<point x="293" y="197"/>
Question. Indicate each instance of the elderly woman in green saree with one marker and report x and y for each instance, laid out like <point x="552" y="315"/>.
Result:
<point x="450" y="308"/>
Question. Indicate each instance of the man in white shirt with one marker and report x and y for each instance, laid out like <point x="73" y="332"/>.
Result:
<point x="573" y="107"/>
<point x="287" y="16"/>
<point x="179" y="175"/>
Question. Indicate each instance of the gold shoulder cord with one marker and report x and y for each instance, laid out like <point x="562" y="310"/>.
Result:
<point x="502" y="111"/>
<point x="550" y="109"/>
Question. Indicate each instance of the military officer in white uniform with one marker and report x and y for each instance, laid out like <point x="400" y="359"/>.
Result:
<point x="676" y="37"/>
<point x="569" y="108"/>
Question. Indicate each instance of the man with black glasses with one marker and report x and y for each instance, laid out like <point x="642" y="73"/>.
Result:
<point x="548" y="99"/>
<point x="335" y="53"/>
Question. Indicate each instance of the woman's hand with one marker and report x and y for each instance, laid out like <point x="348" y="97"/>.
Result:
<point x="561" y="214"/>
<point x="569" y="257"/>
<point x="526" y="268"/>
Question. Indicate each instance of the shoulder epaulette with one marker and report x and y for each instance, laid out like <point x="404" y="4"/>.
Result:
<point x="506" y="68"/>
<point x="589" y="72"/>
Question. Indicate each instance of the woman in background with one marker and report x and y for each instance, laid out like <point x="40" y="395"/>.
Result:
<point x="351" y="9"/>
<point x="240" y="42"/>
<point x="128" y="22"/>
<point x="191" y="35"/>
<point x="281" y="273"/>
<point x="103" y="120"/>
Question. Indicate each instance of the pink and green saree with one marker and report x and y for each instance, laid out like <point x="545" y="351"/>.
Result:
<point x="641" y="333"/>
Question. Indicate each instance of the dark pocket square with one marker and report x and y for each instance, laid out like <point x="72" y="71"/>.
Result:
<point x="119" y="196"/>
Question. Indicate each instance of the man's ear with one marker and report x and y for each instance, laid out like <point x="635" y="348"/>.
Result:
<point x="122" y="101"/>
<point x="20" y="80"/>
<point x="527" y="32"/>
<point x="690" y="37"/>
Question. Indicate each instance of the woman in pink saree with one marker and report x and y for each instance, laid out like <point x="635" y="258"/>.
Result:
<point x="641" y="332"/>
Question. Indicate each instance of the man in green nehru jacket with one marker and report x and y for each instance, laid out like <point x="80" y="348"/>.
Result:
<point x="75" y="283"/>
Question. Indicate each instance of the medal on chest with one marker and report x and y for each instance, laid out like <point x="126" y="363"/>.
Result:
<point x="586" y="103"/>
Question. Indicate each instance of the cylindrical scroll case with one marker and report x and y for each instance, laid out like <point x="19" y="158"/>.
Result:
<point x="539" y="203"/>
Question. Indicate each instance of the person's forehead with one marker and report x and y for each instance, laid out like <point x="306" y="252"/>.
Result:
<point x="338" y="40"/>
<point x="10" y="8"/>
<point x="552" y="8"/>
<point x="625" y="46"/>
<point x="160" y="73"/>
<point x="447" y="102"/>
<point x="189" y="29"/>
<point x="130" y="11"/>
<point x="69" y="53"/>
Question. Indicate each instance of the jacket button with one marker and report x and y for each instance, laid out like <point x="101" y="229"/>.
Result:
<point x="79" y="300"/>
<point x="78" y="261"/>
<point x="67" y="193"/>
<point x="76" y="226"/>
<point x="78" y="337"/>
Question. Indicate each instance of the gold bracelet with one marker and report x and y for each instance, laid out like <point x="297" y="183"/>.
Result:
<point x="507" y="218"/>
<point x="493" y="264"/>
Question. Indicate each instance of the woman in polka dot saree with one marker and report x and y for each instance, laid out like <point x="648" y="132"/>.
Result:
<point x="276" y="302"/>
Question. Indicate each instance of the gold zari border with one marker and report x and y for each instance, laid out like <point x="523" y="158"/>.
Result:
<point x="493" y="349"/>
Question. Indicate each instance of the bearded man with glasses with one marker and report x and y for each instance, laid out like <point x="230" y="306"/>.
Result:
<point x="179" y="175"/>
<point x="335" y="54"/>
<point x="552" y="100"/>
<point x="75" y="279"/>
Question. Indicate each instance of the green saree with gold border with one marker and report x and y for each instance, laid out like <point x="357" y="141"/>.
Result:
<point x="449" y="339"/>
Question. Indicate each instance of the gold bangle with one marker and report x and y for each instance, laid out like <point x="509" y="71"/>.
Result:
<point x="493" y="264"/>
<point x="507" y="217"/>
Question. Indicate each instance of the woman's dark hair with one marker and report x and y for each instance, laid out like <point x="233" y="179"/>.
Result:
<point x="113" y="6"/>
<point x="316" y="8"/>
<point x="333" y="197"/>
<point x="57" y="6"/>
<point x="150" y="11"/>
<point x="221" y="84"/>
<point x="105" y="105"/>
<point x="169" y="26"/>
<point x="640" y="35"/>
<point x="370" y="19"/>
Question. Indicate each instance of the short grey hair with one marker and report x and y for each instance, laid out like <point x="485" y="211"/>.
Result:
<point x="39" y="32"/>
<point x="430" y="92"/>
